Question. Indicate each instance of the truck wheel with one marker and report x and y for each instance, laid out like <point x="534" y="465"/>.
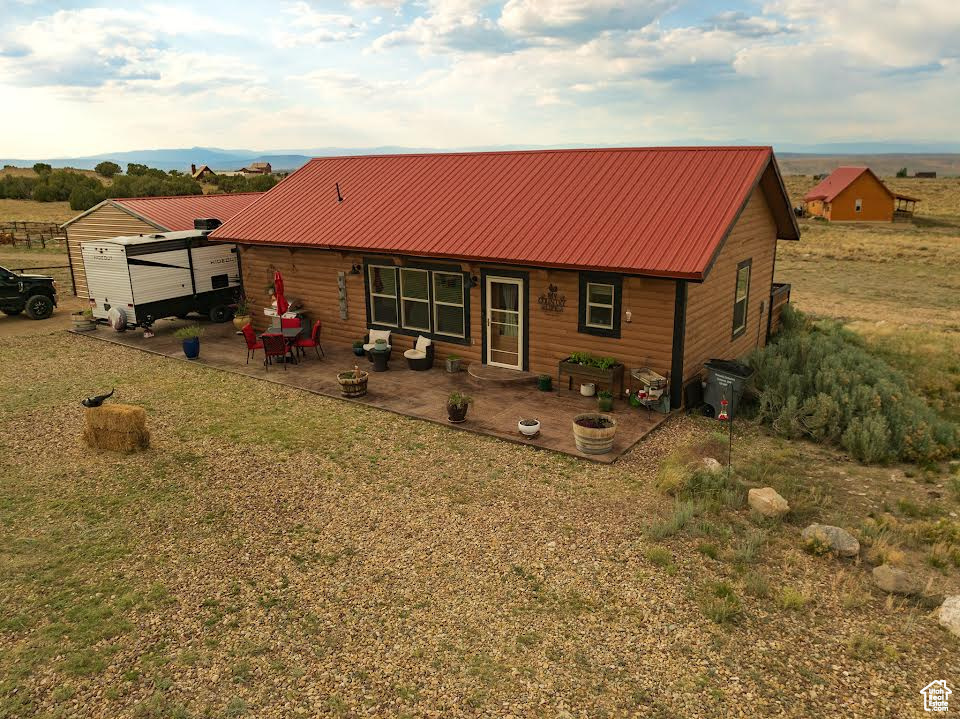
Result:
<point x="39" y="307"/>
<point x="11" y="310"/>
<point x="220" y="313"/>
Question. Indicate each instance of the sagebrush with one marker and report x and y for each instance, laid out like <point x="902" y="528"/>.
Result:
<point x="819" y="380"/>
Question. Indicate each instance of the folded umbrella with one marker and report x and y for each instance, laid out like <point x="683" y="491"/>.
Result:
<point x="282" y="304"/>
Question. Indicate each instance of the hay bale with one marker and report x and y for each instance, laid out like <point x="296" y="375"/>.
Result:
<point x="116" y="427"/>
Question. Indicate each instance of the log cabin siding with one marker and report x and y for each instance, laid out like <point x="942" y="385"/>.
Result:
<point x="104" y="223"/>
<point x="311" y="276"/>
<point x="709" y="326"/>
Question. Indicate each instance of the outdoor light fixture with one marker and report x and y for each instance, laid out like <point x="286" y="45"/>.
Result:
<point x="356" y="270"/>
<point x="474" y="281"/>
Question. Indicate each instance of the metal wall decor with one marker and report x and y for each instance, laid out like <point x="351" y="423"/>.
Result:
<point x="552" y="300"/>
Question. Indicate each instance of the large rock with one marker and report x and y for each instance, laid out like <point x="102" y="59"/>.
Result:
<point x="839" y="541"/>
<point x="950" y="614"/>
<point x="893" y="580"/>
<point x="767" y="502"/>
<point x="712" y="465"/>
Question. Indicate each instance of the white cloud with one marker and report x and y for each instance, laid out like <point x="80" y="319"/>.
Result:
<point x="578" y="19"/>
<point x="310" y="27"/>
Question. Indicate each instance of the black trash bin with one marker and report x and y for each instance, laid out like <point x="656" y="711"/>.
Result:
<point x="725" y="380"/>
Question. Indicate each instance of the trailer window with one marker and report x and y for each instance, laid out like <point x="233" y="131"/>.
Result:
<point x="220" y="281"/>
<point x="741" y="298"/>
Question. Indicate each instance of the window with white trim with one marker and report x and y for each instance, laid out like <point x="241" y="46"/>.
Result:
<point x="448" y="308"/>
<point x="382" y="282"/>
<point x="600" y="305"/>
<point x="415" y="299"/>
<point x="858" y="205"/>
<point x="741" y="298"/>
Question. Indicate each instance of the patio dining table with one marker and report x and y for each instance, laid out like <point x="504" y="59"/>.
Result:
<point x="290" y="335"/>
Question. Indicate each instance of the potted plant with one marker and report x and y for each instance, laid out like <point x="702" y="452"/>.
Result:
<point x="453" y="364"/>
<point x="457" y="405"/>
<point x="588" y="389"/>
<point x="593" y="432"/>
<point x="544" y="383"/>
<point x="190" y="335"/>
<point x="353" y="383"/>
<point x="241" y="312"/>
<point x="529" y="427"/>
<point x="605" y="401"/>
<point x="358" y="348"/>
<point x="83" y="320"/>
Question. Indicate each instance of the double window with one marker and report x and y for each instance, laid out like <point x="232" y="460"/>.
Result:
<point x="600" y="301"/>
<point x="418" y="300"/>
<point x="741" y="298"/>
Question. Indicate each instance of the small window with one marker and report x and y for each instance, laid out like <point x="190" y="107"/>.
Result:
<point x="383" y="295"/>
<point x="600" y="299"/>
<point x="600" y="305"/>
<point x="448" y="304"/>
<point x="858" y="205"/>
<point x="741" y="298"/>
<point x="220" y="281"/>
<point x="415" y="299"/>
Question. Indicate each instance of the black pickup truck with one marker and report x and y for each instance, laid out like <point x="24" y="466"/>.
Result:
<point x="34" y="294"/>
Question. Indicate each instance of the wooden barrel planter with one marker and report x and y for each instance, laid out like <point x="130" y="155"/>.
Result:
<point x="353" y="383"/>
<point x="593" y="432"/>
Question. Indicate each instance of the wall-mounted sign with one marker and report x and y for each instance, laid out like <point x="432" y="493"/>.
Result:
<point x="552" y="300"/>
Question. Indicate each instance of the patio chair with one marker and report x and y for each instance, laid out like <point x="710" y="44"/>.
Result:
<point x="312" y="341"/>
<point x="250" y="337"/>
<point x="372" y="337"/>
<point x="273" y="346"/>
<point x="420" y="358"/>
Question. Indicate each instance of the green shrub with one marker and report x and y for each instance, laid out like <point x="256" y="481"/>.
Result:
<point x="107" y="168"/>
<point x="83" y="198"/>
<point x="819" y="380"/>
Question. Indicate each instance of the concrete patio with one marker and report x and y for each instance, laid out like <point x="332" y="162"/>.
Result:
<point x="500" y="399"/>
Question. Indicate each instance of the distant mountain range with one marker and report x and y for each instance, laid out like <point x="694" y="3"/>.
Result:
<point x="285" y="160"/>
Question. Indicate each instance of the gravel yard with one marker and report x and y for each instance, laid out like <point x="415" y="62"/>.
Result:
<point x="277" y="554"/>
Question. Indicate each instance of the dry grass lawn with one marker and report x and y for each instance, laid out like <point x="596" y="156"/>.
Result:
<point x="282" y="554"/>
<point x="31" y="211"/>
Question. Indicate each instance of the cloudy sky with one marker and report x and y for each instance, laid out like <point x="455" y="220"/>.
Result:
<point x="86" y="77"/>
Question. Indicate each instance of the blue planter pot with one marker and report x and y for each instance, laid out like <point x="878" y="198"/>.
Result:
<point x="191" y="347"/>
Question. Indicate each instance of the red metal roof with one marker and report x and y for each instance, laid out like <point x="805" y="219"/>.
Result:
<point x="652" y="211"/>
<point x="839" y="180"/>
<point x="179" y="212"/>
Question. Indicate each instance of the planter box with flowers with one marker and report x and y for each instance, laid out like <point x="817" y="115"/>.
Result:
<point x="584" y="367"/>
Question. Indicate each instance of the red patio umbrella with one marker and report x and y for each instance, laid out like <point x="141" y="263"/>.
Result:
<point x="282" y="304"/>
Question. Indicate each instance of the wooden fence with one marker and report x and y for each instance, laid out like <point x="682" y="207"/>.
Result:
<point x="32" y="234"/>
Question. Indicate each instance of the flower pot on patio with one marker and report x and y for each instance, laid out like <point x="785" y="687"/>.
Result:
<point x="191" y="347"/>
<point x="358" y="348"/>
<point x="604" y="401"/>
<point x="457" y="406"/>
<point x="588" y="389"/>
<point x="529" y="427"/>
<point x="593" y="432"/>
<point x="240" y="321"/>
<point x="453" y="364"/>
<point x="544" y="383"/>
<point x="353" y="383"/>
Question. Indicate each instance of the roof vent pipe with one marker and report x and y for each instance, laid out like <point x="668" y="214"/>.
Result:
<point x="339" y="196"/>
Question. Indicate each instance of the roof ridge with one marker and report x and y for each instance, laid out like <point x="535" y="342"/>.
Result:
<point x="182" y="197"/>
<point x="553" y="150"/>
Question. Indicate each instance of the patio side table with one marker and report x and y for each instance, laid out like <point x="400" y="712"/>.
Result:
<point x="380" y="359"/>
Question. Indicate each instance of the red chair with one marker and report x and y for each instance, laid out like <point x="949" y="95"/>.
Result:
<point x="312" y="341"/>
<point x="273" y="346"/>
<point x="251" y="339"/>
